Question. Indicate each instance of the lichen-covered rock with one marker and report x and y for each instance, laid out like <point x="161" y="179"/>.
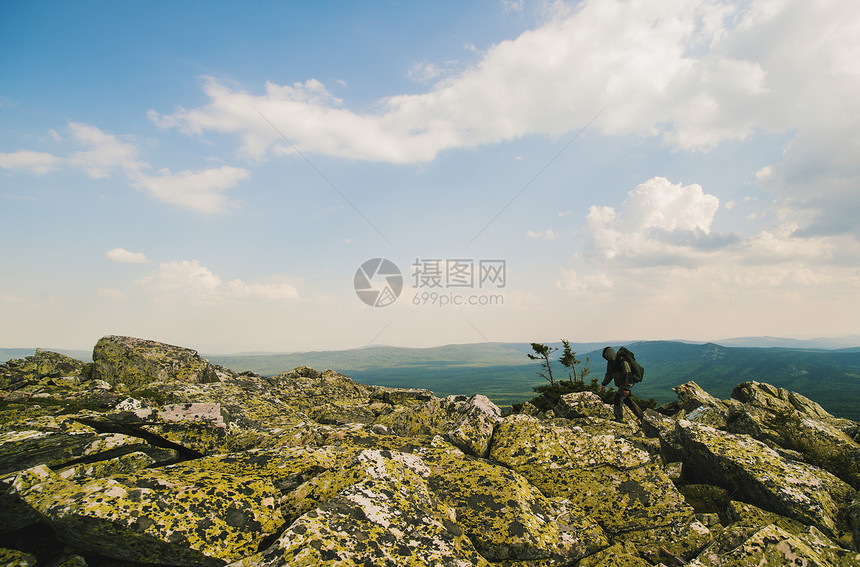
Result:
<point x="58" y="443"/>
<point x="127" y="463"/>
<point x="15" y="558"/>
<point x="471" y="421"/>
<point x="43" y="364"/>
<point x="137" y="362"/>
<point x="773" y="545"/>
<point x="391" y="517"/>
<point x="159" y="516"/>
<point x="14" y="512"/>
<point x="692" y="396"/>
<point x="183" y="462"/>
<point x="793" y="422"/>
<point x="774" y="399"/>
<point x="615" y="483"/>
<point x="504" y="516"/>
<point x="618" y="555"/>
<point x="748" y="466"/>
<point x="582" y="404"/>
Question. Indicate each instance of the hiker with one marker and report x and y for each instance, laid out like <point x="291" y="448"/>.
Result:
<point x="620" y="369"/>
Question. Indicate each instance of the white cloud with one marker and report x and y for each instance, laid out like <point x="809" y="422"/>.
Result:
<point x="692" y="74"/>
<point x="634" y="58"/>
<point x="657" y="218"/>
<point x="27" y="160"/>
<point x="189" y="280"/>
<point x="658" y="249"/>
<point x="548" y="234"/>
<point x="199" y="191"/>
<point x="123" y="256"/>
<point x="106" y="152"/>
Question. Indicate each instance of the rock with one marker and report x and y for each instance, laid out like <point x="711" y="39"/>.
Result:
<point x="530" y="409"/>
<point x="582" y="404"/>
<point x="504" y="516"/>
<point x="773" y="545"/>
<point x="137" y="362"/>
<point x="158" y="457"/>
<point x="618" y="555"/>
<point x="59" y="443"/>
<point x="775" y="399"/>
<point x="15" y="558"/>
<point x="793" y="422"/>
<point x="674" y="470"/>
<point x="854" y="521"/>
<point x="171" y="516"/>
<point x="471" y="421"/>
<point x="616" y="484"/>
<point x="43" y="364"/>
<point x="14" y="512"/>
<point x="364" y="523"/>
<point x="691" y="396"/>
<point x="748" y="467"/>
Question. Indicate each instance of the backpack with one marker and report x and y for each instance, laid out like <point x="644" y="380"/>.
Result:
<point x="636" y="369"/>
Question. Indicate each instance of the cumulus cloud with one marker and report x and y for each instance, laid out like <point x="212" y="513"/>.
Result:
<point x="200" y="191"/>
<point x="659" y="246"/>
<point x="658" y="218"/>
<point x="189" y="280"/>
<point x="123" y="256"/>
<point x="27" y="160"/>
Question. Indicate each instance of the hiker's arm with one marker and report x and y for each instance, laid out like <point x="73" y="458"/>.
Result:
<point x="608" y="378"/>
<point x="628" y="372"/>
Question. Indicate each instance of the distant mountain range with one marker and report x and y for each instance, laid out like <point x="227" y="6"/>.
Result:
<point x="826" y="370"/>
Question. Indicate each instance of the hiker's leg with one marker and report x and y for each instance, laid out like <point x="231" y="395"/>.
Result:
<point x="634" y="407"/>
<point x="619" y="410"/>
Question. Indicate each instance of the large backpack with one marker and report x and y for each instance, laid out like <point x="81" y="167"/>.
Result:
<point x="635" y="368"/>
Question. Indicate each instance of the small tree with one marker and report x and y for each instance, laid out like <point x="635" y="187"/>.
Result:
<point x="568" y="359"/>
<point x="542" y="352"/>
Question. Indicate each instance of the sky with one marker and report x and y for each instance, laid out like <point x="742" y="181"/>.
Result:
<point x="292" y="176"/>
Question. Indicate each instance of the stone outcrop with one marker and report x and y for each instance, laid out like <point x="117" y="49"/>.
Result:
<point x="137" y="362"/>
<point x="151" y="455"/>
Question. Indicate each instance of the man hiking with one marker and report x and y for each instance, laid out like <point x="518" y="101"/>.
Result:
<point x="625" y="371"/>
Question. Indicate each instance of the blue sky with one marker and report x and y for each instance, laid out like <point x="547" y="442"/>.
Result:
<point x="213" y="175"/>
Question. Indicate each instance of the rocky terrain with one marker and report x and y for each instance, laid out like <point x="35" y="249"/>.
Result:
<point x="151" y="455"/>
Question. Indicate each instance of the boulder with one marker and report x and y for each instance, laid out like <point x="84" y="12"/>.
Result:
<point x="618" y="555"/>
<point x="389" y="517"/>
<point x="616" y="484"/>
<point x="138" y="362"/>
<point x="504" y="516"/>
<point x="773" y="545"/>
<point x="43" y="364"/>
<point x="691" y="396"/>
<point x="582" y="404"/>
<point x="59" y="442"/>
<point x="753" y="470"/>
<point x="15" y="558"/>
<point x="170" y="516"/>
<point x="793" y="422"/>
<point x="470" y="422"/>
